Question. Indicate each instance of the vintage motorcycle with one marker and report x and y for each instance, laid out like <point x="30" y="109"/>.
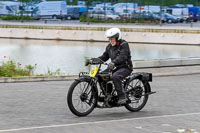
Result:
<point x="96" y="90"/>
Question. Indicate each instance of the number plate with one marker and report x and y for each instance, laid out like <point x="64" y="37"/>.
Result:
<point x="93" y="72"/>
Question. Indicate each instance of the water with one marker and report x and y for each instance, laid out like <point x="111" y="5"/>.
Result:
<point x="69" y="55"/>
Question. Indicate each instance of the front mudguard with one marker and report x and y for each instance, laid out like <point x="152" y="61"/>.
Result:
<point x="144" y="77"/>
<point x="84" y="78"/>
<point x="90" y="80"/>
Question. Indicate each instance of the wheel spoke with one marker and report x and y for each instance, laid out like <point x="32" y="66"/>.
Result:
<point x="79" y="101"/>
<point x="136" y="95"/>
<point x="82" y="98"/>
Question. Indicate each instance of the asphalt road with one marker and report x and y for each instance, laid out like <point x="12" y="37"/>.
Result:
<point x="40" y="107"/>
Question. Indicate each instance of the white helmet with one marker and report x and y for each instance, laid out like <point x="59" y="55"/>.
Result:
<point x="113" y="32"/>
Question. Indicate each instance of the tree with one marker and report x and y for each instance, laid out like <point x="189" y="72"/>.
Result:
<point x="170" y="2"/>
<point x="24" y="0"/>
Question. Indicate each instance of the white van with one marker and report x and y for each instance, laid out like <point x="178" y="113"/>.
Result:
<point x="5" y="10"/>
<point x="8" y="7"/>
<point x="120" y="7"/>
<point x="51" y="9"/>
<point x="181" y="13"/>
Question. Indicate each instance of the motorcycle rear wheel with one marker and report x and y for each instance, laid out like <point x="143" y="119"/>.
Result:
<point x="137" y="96"/>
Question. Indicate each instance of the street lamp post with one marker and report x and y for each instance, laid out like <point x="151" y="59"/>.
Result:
<point x="160" y="13"/>
<point x="133" y="13"/>
<point x="104" y="10"/>
<point x="140" y="6"/>
<point x="87" y="12"/>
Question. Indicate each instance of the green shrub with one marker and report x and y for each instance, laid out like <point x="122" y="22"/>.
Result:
<point x="11" y="68"/>
<point x="56" y="73"/>
<point x="11" y="17"/>
<point x="83" y="18"/>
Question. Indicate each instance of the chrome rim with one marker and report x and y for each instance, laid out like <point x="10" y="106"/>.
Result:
<point x="137" y="95"/>
<point x="82" y="98"/>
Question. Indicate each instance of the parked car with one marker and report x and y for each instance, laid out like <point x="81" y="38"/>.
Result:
<point x="148" y="16"/>
<point x="125" y="14"/>
<point x="170" y="18"/>
<point x="72" y="13"/>
<point x="51" y="9"/>
<point x="181" y="13"/>
<point x="108" y="15"/>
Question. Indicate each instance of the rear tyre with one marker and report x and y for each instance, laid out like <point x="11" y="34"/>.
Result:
<point x="82" y="98"/>
<point x="137" y="96"/>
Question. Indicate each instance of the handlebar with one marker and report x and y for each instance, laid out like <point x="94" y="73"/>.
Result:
<point x="97" y="61"/>
<point x="105" y="63"/>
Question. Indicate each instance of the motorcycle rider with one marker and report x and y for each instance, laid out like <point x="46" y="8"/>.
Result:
<point x="121" y="65"/>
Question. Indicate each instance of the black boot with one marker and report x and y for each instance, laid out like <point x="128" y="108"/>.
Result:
<point x="122" y="100"/>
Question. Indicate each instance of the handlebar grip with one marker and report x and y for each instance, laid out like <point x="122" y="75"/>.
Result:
<point x="105" y="63"/>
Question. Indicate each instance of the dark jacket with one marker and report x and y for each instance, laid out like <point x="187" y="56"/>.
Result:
<point x="120" y="54"/>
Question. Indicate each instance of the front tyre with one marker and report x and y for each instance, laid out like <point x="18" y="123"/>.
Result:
<point x="81" y="98"/>
<point x="136" y="96"/>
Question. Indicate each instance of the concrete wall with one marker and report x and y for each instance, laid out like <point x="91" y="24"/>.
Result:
<point x="89" y="35"/>
<point x="166" y="63"/>
<point x="168" y="67"/>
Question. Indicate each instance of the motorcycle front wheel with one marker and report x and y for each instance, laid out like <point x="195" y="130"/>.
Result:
<point x="81" y="98"/>
<point x="137" y="95"/>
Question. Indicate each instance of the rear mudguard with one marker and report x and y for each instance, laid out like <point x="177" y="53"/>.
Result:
<point x="144" y="77"/>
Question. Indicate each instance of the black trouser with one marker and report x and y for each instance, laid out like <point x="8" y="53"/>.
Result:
<point x="117" y="78"/>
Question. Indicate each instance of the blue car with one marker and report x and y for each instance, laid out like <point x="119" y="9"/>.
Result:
<point x="170" y="18"/>
<point x="72" y="13"/>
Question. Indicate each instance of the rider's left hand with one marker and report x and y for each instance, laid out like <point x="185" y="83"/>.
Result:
<point x="111" y="65"/>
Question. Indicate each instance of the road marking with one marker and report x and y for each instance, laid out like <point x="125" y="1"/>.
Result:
<point x="193" y="130"/>
<point x="165" y="125"/>
<point x="149" y="130"/>
<point x="138" y="127"/>
<point x="97" y="122"/>
<point x="181" y="130"/>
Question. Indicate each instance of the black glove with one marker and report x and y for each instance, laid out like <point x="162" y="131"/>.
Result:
<point x="111" y="66"/>
<point x="88" y="62"/>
